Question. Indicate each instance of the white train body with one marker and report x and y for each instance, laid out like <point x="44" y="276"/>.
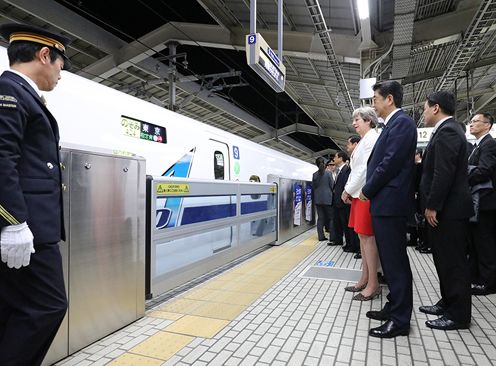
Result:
<point x="94" y="115"/>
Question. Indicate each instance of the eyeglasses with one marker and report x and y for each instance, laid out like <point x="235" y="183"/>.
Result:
<point x="477" y="120"/>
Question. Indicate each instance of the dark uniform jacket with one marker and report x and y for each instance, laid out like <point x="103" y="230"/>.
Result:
<point x="30" y="176"/>
<point x="322" y="188"/>
<point x="483" y="158"/>
<point x="341" y="180"/>
<point x="444" y="184"/>
<point x="391" y="168"/>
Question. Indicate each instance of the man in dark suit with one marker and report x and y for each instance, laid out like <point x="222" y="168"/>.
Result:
<point x="32" y="292"/>
<point x="389" y="186"/>
<point x="341" y="209"/>
<point x="482" y="170"/>
<point x="447" y="205"/>
<point x="322" y="184"/>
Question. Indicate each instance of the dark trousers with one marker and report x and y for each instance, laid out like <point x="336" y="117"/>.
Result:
<point x="32" y="306"/>
<point x="449" y="249"/>
<point x="341" y="218"/>
<point x="324" y="218"/>
<point x="482" y="250"/>
<point x="390" y="235"/>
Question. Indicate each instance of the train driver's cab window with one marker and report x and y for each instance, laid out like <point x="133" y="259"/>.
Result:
<point x="219" y="165"/>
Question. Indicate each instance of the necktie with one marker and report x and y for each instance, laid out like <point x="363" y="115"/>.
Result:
<point x="473" y="150"/>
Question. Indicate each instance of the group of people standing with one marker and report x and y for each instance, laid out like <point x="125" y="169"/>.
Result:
<point x="454" y="184"/>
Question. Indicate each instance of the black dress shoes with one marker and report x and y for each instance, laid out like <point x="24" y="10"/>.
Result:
<point x="347" y="249"/>
<point x="444" y="323"/>
<point x="358" y="256"/>
<point x="389" y="330"/>
<point x="433" y="310"/>
<point x="425" y="250"/>
<point x="480" y="290"/>
<point x="332" y="242"/>
<point x="377" y="315"/>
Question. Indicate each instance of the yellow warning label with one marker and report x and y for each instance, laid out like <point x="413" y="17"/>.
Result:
<point x="172" y="188"/>
<point x="273" y="189"/>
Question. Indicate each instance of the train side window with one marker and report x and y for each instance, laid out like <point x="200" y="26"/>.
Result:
<point x="219" y="165"/>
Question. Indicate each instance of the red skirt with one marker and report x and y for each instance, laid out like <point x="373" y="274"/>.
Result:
<point x="360" y="218"/>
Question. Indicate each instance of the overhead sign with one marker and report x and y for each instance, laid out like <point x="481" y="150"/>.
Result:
<point x="264" y="61"/>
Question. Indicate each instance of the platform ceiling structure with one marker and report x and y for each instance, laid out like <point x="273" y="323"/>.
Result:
<point x="426" y="44"/>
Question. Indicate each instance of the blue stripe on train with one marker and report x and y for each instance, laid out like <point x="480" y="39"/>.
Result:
<point x="196" y="214"/>
<point x="192" y="215"/>
<point x="251" y="207"/>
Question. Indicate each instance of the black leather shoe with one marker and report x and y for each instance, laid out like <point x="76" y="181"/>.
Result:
<point x="322" y="239"/>
<point x="332" y="242"/>
<point x="347" y="249"/>
<point x="389" y="330"/>
<point x="377" y="315"/>
<point x="480" y="290"/>
<point x="433" y="310"/>
<point x="358" y="256"/>
<point x="425" y="250"/>
<point x="444" y="323"/>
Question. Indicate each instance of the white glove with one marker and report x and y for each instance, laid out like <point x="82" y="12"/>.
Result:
<point x="16" y="245"/>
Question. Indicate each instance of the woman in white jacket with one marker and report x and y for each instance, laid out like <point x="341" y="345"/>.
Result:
<point x="364" y="122"/>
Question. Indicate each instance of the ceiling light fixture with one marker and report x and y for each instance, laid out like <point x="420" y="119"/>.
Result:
<point x="363" y="9"/>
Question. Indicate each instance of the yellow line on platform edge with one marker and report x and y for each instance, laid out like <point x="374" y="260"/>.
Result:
<point x="206" y="310"/>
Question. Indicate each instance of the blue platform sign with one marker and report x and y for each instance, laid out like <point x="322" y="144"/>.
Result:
<point x="236" y="152"/>
<point x="252" y="39"/>
<point x="308" y="201"/>
<point x="298" y="196"/>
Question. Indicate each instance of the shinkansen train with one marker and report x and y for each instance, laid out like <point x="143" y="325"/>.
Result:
<point x="94" y="115"/>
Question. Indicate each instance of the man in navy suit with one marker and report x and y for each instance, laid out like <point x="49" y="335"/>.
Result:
<point x="447" y="205"/>
<point x="32" y="292"/>
<point x="389" y="187"/>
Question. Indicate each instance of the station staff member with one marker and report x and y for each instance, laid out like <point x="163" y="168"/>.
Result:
<point x="32" y="293"/>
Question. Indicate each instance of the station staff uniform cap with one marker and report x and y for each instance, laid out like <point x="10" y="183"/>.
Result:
<point x="14" y="32"/>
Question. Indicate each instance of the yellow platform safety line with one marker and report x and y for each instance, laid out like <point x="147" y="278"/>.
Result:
<point x="207" y="309"/>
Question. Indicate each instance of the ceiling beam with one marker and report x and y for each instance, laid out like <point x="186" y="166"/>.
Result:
<point x="452" y="23"/>
<point x="220" y="13"/>
<point x="468" y="47"/>
<point x="479" y="105"/>
<point x="490" y="61"/>
<point x="404" y="16"/>
<point x="70" y="22"/>
<point x="324" y="152"/>
<point x="323" y="31"/>
<point x="316" y="104"/>
<point x="150" y="65"/>
<point x="302" y="128"/>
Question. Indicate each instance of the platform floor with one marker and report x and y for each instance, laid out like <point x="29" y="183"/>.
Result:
<point x="265" y="311"/>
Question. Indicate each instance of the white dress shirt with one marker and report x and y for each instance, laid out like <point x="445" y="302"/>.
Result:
<point x="28" y="80"/>
<point x="390" y="115"/>
<point x="358" y="164"/>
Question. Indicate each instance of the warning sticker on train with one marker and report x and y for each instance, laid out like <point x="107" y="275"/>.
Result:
<point x="172" y="188"/>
